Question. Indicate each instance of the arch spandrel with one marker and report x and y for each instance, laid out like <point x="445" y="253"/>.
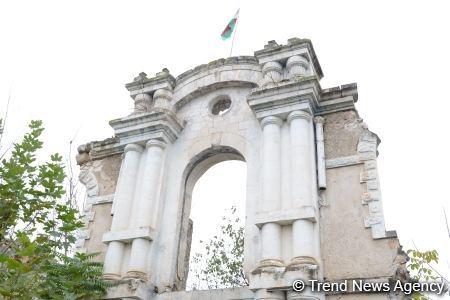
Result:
<point x="195" y="85"/>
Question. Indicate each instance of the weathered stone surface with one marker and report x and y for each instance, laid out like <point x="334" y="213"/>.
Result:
<point x="342" y="131"/>
<point x="99" y="225"/>
<point x="348" y="249"/>
<point x="139" y="183"/>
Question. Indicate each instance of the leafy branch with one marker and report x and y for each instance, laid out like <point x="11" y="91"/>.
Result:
<point x="221" y="266"/>
<point x="37" y="229"/>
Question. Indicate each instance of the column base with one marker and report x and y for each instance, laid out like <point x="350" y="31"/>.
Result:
<point x="136" y="275"/>
<point x="130" y="288"/>
<point x="263" y="294"/>
<point x="111" y="277"/>
<point x="269" y="275"/>
<point x="303" y="296"/>
<point x="300" y="261"/>
<point x="302" y="267"/>
<point x="271" y="263"/>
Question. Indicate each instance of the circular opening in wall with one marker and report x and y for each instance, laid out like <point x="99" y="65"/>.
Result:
<point x="221" y="106"/>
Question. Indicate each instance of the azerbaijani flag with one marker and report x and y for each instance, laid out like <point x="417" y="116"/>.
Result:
<point x="228" y="31"/>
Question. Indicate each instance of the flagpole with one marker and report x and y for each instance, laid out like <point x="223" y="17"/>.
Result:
<point x="234" y="34"/>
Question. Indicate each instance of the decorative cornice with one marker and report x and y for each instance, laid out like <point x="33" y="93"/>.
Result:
<point x="128" y="235"/>
<point x="338" y="99"/>
<point x="287" y="217"/>
<point x="105" y="148"/>
<point x="295" y="46"/>
<point x="285" y="97"/>
<point x="157" y="124"/>
<point x="143" y="84"/>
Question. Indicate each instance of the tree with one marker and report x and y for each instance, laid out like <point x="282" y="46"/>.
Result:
<point x="221" y="266"/>
<point x="38" y="227"/>
<point x="421" y="269"/>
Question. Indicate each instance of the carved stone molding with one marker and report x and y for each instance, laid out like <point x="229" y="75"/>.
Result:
<point x="83" y="155"/>
<point x="272" y="72"/>
<point x="162" y="98"/>
<point x="343" y="161"/>
<point x="297" y="65"/>
<point x="142" y="103"/>
<point x="88" y="179"/>
<point x="367" y="154"/>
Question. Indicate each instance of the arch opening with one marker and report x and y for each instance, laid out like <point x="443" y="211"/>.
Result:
<point x="214" y="198"/>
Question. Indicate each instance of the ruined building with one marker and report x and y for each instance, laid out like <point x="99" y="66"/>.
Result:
<point x="313" y="204"/>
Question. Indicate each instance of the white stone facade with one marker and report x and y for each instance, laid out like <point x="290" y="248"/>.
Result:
<point x="278" y="122"/>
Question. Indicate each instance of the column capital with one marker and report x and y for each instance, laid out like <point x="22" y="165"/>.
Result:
<point x="141" y="103"/>
<point x="163" y="93"/>
<point x="297" y="60"/>
<point x="272" y="66"/>
<point x="271" y="120"/>
<point x="155" y="143"/>
<point x="319" y="120"/>
<point x="298" y="114"/>
<point x="133" y="147"/>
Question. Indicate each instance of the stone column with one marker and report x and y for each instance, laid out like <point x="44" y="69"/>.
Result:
<point x="146" y="200"/>
<point x="320" y="150"/>
<point x="123" y="200"/>
<point x="113" y="261"/>
<point x="271" y="191"/>
<point x="137" y="267"/>
<point x="302" y="185"/>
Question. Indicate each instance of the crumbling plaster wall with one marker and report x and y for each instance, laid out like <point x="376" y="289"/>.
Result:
<point x="341" y="132"/>
<point x="100" y="177"/>
<point x="349" y="250"/>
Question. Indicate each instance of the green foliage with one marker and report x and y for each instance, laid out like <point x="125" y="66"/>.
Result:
<point x="37" y="229"/>
<point x="420" y="268"/>
<point x="420" y="264"/>
<point x="75" y="277"/>
<point x="221" y="266"/>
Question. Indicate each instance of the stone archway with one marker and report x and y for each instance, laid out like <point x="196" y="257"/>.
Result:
<point x="306" y="168"/>
<point x="199" y="164"/>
